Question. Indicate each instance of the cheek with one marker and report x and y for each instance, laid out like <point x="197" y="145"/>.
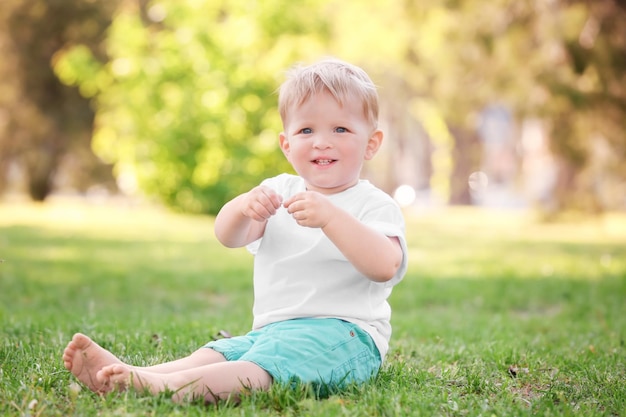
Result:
<point x="294" y="154"/>
<point x="297" y="150"/>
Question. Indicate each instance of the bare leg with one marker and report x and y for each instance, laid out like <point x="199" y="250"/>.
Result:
<point x="84" y="358"/>
<point x="211" y="382"/>
<point x="201" y="357"/>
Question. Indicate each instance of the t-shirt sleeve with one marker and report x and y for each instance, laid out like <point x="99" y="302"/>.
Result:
<point x="387" y="218"/>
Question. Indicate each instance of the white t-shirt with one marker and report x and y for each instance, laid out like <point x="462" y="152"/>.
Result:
<point x="299" y="272"/>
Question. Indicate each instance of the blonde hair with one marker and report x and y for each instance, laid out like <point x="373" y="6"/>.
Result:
<point x="343" y="80"/>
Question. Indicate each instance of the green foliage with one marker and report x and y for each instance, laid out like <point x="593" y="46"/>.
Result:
<point x="186" y="106"/>
<point x="187" y="103"/>
<point x="498" y="314"/>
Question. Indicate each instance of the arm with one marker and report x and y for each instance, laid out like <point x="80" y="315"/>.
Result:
<point x="372" y="253"/>
<point x="242" y="220"/>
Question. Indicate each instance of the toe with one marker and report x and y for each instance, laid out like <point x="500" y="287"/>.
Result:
<point x="80" y="341"/>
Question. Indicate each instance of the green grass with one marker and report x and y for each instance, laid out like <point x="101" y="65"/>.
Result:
<point x="498" y="314"/>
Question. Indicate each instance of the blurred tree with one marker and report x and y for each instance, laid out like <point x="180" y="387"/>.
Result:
<point x="443" y="62"/>
<point x="41" y="119"/>
<point x="427" y="58"/>
<point x="563" y="61"/>
<point x="586" y="106"/>
<point x="187" y="104"/>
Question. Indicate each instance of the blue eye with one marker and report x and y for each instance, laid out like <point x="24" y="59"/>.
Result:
<point x="341" y="130"/>
<point x="306" y="131"/>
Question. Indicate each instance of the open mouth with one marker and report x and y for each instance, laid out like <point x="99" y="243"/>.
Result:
<point x="324" y="161"/>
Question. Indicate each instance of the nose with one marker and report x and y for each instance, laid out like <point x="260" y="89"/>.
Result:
<point x="321" y="142"/>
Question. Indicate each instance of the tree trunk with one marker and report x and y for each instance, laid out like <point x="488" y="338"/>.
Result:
<point x="466" y="159"/>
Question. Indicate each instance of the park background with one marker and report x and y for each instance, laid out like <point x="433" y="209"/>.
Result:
<point x="125" y="125"/>
<point x="175" y="101"/>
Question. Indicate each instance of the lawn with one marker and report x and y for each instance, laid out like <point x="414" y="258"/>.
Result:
<point x="499" y="314"/>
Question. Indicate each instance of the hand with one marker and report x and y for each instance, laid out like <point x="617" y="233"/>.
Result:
<point x="310" y="209"/>
<point x="260" y="203"/>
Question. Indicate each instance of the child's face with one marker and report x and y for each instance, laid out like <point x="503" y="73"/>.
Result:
<point x="327" y="143"/>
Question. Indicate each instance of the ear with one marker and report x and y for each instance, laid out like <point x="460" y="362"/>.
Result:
<point x="373" y="144"/>
<point x="284" y="144"/>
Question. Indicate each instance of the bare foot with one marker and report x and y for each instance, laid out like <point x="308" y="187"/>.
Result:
<point x="121" y="376"/>
<point x="84" y="358"/>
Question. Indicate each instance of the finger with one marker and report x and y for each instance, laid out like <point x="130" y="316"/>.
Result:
<point x="276" y="200"/>
<point x="266" y="200"/>
<point x="251" y="213"/>
<point x="259" y="211"/>
<point x="297" y="197"/>
<point x="299" y="217"/>
<point x="273" y="198"/>
<point x="294" y="207"/>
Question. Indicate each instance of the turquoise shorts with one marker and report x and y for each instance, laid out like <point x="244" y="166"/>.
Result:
<point x="327" y="353"/>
